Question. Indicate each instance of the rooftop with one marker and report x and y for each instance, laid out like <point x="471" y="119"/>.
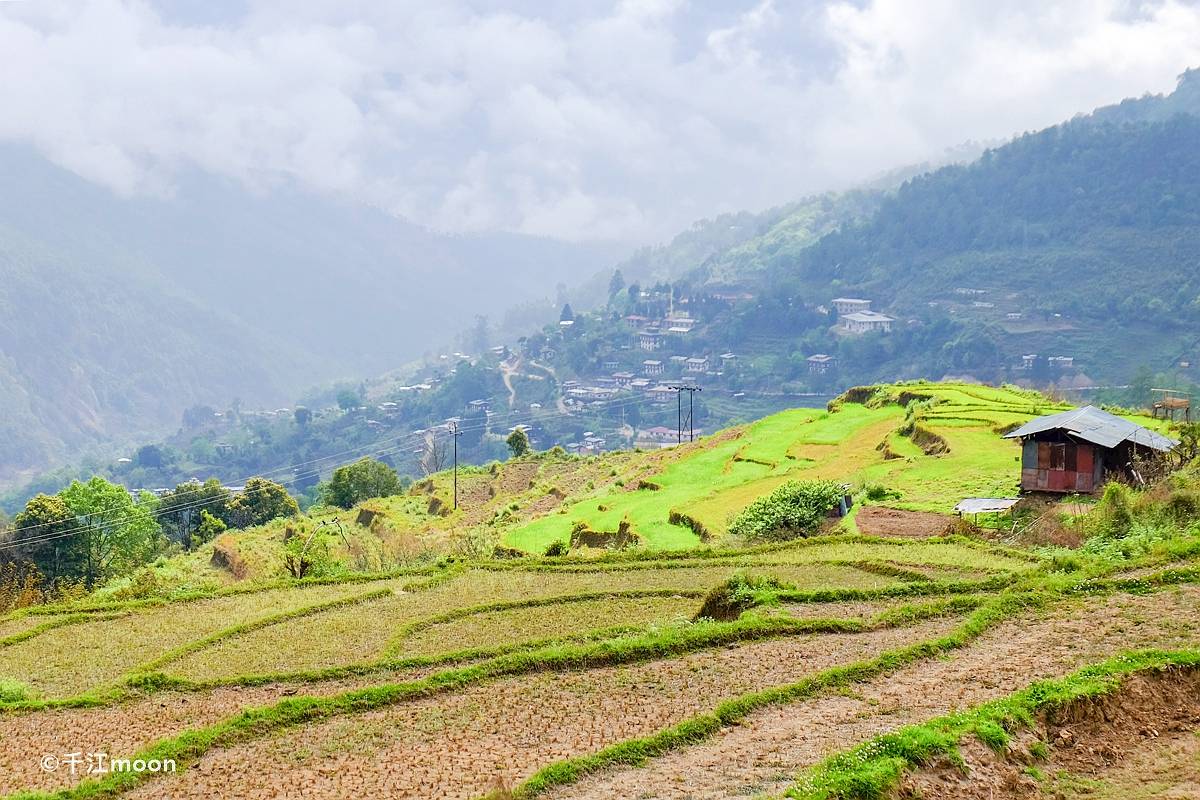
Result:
<point x="1097" y="426"/>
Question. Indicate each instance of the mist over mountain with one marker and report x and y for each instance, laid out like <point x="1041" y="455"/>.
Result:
<point x="119" y="313"/>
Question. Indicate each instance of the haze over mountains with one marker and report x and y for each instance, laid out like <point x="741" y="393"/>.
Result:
<point x="119" y="313"/>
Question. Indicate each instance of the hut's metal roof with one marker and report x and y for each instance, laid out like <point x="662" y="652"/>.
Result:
<point x="1094" y="425"/>
<point x="986" y="505"/>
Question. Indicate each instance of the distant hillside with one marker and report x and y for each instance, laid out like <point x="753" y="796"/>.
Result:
<point x="120" y="313"/>
<point x="1038" y="246"/>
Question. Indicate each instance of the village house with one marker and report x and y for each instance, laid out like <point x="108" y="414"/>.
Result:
<point x="849" y="305"/>
<point x="657" y="437"/>
<point x="820" y="363"/>
<point x="623" y="379"/>
<point x="1061" y="362"/>
<point x="696" y="364"/>
<point x="661" y="395"/>
<point x="650" y="340"/>
<point x="1076" y="451"/>
<point x="865" y="322"/>
<point x="652" y="367"/>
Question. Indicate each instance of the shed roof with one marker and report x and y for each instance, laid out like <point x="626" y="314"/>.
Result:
<point x="1094" y="425"/>
<point x="985" y="505"/>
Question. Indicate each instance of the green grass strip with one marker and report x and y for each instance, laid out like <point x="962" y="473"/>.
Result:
<point x="397" y="642"/>
<point x="190" y="745"/>
<point x="898" y="617"/>
<point x="58" y="622"/>
<point x="874" y="769"/>
<point x="635" y="752"/>
<point x="227" y="591"/>
<point x="237" y="630"/>
<point x="915" y="589"/>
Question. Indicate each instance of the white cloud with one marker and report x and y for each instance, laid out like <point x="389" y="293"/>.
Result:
<point x="623" y="121"/>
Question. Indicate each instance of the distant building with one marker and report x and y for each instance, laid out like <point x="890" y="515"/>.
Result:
<point x="849" y="305"/>
<point x="1061" y="362"/>
<point x="696" y="364"/>
<point x="661" y="395"/>
<point x="728" y="358"/>
<point x="1029" y="361"/>
<point x="623" y="379"/>
<point x="865" y="322"/>
<point x="820" y="363"/>
<point x="652" y="367"/>
<point x="650" y="341"/>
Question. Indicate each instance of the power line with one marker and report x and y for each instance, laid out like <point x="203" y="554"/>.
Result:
<point x="679" y="390"/>
<point x="404" y="441"/>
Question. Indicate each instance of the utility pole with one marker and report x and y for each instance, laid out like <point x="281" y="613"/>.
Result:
<point x="679" y="420"/>
<point x="455" y="433"/>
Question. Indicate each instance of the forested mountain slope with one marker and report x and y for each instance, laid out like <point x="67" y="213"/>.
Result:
<point x="120" y="313"/>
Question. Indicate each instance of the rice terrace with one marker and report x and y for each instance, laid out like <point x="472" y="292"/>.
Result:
<point x="786" y="608"/>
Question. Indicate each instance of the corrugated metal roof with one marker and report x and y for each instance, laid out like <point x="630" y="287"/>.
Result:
<point x="985" y="505"/>
<point x="1094" y="425"/>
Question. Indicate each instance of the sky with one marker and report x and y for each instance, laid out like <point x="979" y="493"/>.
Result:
<point x="606" y="121"/>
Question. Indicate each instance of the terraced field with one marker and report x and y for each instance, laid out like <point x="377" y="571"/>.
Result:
<point x="849" y="666"/>
<point x="717" y="477"/>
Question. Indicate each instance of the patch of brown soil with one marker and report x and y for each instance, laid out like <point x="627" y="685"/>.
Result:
<point x="880" y="521"/>
<point x="127" y="728"/>
<point x="764" y="753"/>
<point x="1086" y="739"/>
<point x="462" y="744"/>
<point x="859" y="609"/>
<point x="517" y="478"/>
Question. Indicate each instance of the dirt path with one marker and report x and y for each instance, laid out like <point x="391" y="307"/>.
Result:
<point x="764" y="753"/>
<point x="461" y="745"/>
<point x="506" y="372"/>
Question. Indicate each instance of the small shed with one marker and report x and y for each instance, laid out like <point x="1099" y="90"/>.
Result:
<point x="1072" y="451"/>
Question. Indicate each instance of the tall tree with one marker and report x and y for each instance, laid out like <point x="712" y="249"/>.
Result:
<point x="180" y="509"/>
<point x="364" y="479"/>
<point x="260" y="502"/>
<point x="615" y="284"/>
<point x="40" y="531"/>
<point x="518" y="443"/>
<point x="115" y="533"/>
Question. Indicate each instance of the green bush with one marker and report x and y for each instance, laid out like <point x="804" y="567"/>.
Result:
<point x="726" y="601"/>
<point x="556" y="549"/>
<point x="13" y="691"/>
<point x="793" y="510"/>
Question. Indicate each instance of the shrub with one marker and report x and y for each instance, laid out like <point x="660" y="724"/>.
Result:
<point x="556" y="549"/>
<point x="362" y="480"/>
<point x="877" y="492"/>
<point x="13" y="691"/>
<point x="726" y="601"/>
<point x="793" y="510"/>
<point x="1113" y="516"/>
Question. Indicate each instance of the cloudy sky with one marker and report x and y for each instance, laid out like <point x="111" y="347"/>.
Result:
<point x="581" y="120"/>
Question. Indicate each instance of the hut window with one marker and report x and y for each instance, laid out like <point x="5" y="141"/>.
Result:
<point x="1058" y="456"/>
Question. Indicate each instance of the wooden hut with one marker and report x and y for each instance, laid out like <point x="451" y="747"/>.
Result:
<point x="1074" y="450"/>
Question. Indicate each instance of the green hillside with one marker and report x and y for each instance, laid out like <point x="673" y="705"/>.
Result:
<point x="838" y="665"/>
<point x="671" y="499"/>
